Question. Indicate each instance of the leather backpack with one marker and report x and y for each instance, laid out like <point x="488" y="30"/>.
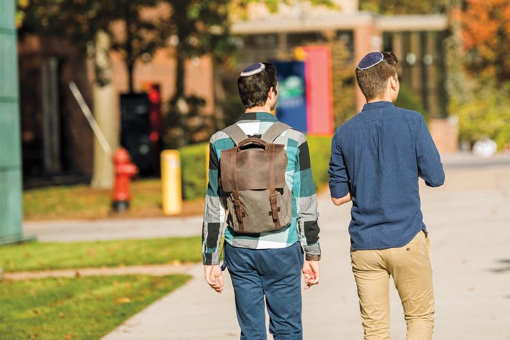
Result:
<point x="253" y="179"/>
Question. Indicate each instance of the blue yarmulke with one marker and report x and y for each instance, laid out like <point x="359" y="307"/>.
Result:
<point x="253" y="69"/>
<point x="370" y="60"/>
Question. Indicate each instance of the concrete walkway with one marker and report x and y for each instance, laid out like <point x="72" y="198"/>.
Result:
<point x="113" y="229"/>
<point x="469" y="221"/>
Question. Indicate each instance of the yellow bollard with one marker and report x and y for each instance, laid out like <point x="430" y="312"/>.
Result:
<point x="171" y="182"/>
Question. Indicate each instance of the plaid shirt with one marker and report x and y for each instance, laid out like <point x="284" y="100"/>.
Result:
<point x="298" y="176"/>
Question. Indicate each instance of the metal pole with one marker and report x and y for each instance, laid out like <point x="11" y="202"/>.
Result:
<point x="90" y="118"/>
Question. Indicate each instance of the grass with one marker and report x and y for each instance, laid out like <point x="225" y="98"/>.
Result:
<point x="45" y="256"/>
<point x="84" y="202"/>
<point x="81" y="308"/>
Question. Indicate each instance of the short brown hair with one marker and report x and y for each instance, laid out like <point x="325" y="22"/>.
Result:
<point x="254" y="89"/>
<point x="372" y="81"/>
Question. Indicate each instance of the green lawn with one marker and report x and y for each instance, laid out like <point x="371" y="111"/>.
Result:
<point x="80" y="308"/>
<point x="42" y="256"/>
<point x="84" y="202"/>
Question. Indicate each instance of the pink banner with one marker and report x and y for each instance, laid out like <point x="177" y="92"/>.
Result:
<point x="319" y="90"/>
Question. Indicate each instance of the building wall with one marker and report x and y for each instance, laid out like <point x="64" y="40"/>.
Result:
<point x="161" y="69"/>
<point x="76" y="135"/>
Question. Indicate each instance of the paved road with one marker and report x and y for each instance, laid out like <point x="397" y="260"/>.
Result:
<point x="469" y="221"/>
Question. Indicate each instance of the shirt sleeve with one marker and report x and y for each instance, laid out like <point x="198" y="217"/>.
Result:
<point x="305" y="193"/>
<point x="430" y="168"/>
<point x="215" y="214"/>
<point x="338" y="177"/>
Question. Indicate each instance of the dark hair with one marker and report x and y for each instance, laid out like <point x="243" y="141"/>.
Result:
<point x="254" y="89"/>
<point x="372" y="81"/>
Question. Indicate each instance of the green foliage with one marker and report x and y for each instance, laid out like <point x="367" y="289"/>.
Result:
<point x="78" y="22"/>
<point x="80" y="308"/>
<point x="51" y="255"/>
<point x="344" y="90"/>
<point x="393" y="7"/>
<point x="407" y="99"/>
<point x="273" y="5"/>
<point x="486" y="114"/>
<point x="194" y="170"/>
<point x="320" y="151"/>
<point x="186" y="122"/>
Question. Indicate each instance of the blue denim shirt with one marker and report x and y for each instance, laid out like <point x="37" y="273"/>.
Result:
<point x="378" y="157"/>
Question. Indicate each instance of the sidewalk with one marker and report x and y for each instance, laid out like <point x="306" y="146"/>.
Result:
<point x="469" y="224"/>
<point x="113" y="229"/>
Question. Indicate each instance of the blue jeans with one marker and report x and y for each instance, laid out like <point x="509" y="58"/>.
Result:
<point x="271" y="273"/>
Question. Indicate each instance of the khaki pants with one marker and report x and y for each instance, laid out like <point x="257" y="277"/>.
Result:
<point x="412" y="274"/>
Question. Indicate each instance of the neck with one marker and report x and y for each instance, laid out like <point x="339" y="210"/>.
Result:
<point x="380" y="99"/>
<point x="386" y="97"/>
<point x="264" y="108"/>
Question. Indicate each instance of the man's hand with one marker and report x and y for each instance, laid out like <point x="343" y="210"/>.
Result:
<point x="214" y="277"/>
<point x="311" y="272"/>
<point x="341" y="200"/>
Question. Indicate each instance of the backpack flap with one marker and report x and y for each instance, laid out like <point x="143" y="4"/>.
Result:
<point x="252" y="167"/>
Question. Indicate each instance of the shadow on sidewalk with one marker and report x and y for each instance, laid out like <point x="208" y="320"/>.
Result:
<point x="504" y="266"/>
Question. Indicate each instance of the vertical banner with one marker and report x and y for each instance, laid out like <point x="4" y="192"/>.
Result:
<point x="292" y="107"/>
<point x="319" y="90"/>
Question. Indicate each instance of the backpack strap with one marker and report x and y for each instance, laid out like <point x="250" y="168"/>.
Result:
<point x="235" y="133"/>
<point x="272" y="190"/>
<point x="274" y="131"/>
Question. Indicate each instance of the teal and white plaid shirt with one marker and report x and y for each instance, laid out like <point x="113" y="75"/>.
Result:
<point x="303" y="226"/>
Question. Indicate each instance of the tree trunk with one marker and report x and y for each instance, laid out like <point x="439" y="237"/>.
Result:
<point x="220" y="96"/>
<point x="105" y="112"/>
<point x="180" y="17"/>
<point x="130" y="72"/>
<point x="130" y="62"/>
<point x="180" y="73"/>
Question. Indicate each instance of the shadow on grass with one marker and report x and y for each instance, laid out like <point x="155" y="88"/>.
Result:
<point x="503" y="267"/>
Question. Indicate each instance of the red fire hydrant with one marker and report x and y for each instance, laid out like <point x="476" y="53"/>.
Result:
<point x="124" y="170"/>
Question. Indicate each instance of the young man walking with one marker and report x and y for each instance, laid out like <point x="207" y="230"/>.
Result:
<point x="377" y="158"/>
<point x="261" y="209"/>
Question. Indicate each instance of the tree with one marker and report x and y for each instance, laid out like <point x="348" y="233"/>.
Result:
<point x="79" y="21"/>
<point x="87" y="24"/>
<point x="142" y="35"/>
<point x="196" y="28"/>
<point x="201" y="27"/>
<point x="486" y="34"/>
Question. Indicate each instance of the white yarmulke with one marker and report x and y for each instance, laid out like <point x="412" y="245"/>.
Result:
<point x="253" y="69"/>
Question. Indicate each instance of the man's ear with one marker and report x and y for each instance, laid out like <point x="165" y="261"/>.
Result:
<point x="273" y="90"/>
<point x="393" y="82"/>
<point x="271" y="95"/>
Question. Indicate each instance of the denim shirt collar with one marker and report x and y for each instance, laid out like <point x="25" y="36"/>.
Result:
<point x="377" y="105"/>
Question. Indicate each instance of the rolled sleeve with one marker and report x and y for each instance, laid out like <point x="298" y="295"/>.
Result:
<point x="430" y="168"/>
<point x="338" y="178"/>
